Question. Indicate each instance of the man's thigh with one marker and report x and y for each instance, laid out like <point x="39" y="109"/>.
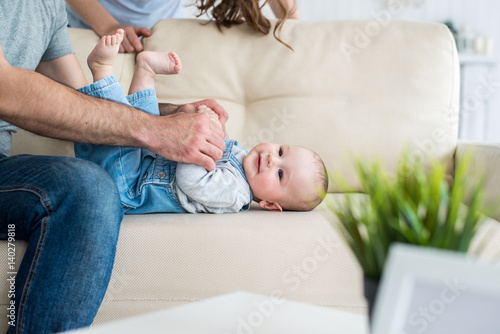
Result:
<point x="35" y="187"/>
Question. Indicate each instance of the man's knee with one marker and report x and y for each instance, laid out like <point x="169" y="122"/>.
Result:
<point x="87" y="190"/>
<point x="75" y="190"/>
<point x="93" y="186"/>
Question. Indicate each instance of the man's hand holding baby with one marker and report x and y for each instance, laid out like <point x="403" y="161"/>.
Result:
<point x="182" y="135"/>
<point x="211" y="115"/>
<point x="169" y="109"/>
<point x="206" y="111"/>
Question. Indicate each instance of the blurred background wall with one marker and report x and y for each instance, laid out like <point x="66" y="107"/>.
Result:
<point x="477" y="27"/>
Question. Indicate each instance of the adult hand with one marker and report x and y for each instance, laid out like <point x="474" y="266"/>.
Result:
<point x="217" y="108"/>
<point x="211" y="115"/>
<point x="203" y="109"/>
<point x="131" y="41"/>
<point x="187" y="137"/>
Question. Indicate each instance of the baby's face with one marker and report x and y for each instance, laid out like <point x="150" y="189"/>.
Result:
<point x="279" y="172"/>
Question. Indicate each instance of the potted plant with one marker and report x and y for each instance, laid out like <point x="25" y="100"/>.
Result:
<point x="417" y="205"/>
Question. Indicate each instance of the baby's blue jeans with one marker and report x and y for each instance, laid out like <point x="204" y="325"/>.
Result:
<point x="144" y="180"/>
<point x="110" y="89"/>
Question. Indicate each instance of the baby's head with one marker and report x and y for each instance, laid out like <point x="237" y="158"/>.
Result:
<point x="286" y="177"/>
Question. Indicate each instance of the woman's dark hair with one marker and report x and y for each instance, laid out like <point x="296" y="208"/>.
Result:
<point x="230" y="12"/>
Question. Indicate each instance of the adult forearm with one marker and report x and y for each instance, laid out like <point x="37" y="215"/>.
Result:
<point x="34" y="102"/>
<point x="289" y="5"/>
<point x="96" y="16"/>
<point x="168" y="108"/>
<point x="38" y="104"/>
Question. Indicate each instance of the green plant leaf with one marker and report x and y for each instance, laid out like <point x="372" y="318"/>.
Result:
<point x="415" y="206"/>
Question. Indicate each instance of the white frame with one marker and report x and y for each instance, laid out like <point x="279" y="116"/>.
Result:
<point x="407" y="264"/>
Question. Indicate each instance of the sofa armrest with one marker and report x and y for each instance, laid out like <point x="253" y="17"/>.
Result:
<point x="485" y="157"/>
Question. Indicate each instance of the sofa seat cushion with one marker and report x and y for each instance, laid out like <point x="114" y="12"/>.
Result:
<point x="193" y="257"/>
<point x="164" y="260"/>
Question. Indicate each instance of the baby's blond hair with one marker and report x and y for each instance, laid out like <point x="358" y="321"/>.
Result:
<point x="306" y="203"/>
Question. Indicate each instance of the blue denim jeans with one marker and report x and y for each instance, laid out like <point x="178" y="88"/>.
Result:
<point x="69" y="212"/>
<point x="109" y="89"/>
<point x="144" y="180"/>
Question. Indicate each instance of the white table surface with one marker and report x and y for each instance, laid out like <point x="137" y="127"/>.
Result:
<point x="240" y="313"/>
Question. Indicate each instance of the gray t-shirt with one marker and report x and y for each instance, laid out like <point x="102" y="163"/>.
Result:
<point x="31" y="31"/>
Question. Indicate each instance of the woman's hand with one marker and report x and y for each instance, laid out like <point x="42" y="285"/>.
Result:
<point x="103" y="23"/>
<point x="131" y="40"/>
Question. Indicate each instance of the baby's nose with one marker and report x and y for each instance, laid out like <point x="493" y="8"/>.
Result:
<point x="270" y="160"/>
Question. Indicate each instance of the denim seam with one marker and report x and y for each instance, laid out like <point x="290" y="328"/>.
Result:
<point x="124" y="180"/>
<point x="31" y="273"/>
<point x="98" y="85"/>
<point x="173" y="196"/>
<point x="141" y="95"/>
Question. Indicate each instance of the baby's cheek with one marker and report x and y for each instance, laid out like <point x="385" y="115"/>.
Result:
<point x="269" y="187"/>
<point x="258" y="187"/>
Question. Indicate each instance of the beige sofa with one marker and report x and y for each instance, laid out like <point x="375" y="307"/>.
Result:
<point x="353" y="88"/>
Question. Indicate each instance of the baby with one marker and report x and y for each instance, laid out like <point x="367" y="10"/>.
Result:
<point x="278" y="177"/>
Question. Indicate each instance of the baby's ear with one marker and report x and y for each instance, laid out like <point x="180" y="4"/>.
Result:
<point x="271" y="206"/>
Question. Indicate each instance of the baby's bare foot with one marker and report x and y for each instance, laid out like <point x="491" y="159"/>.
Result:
<point x="150" y="63"/>
<point x="102" y="57"/>
<point x="159" y="62"/>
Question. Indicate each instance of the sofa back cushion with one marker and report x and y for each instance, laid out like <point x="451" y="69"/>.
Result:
<point x="348" y="89"/>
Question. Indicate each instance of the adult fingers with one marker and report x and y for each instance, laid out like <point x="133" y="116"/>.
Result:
<point x="221" y="112"/>
<point x="212" y="146"/>
<point x="142" y="31"/>
<point x="131" y="41"/>
<point x="217" y="108"/>
<point x="191" y="138"/>
<point x="126" y="45"/>
<point x="134" y="40"/>
<point x="216" y="134"/>
<point x="205" y="161"/>
<point x="210" y="154"/>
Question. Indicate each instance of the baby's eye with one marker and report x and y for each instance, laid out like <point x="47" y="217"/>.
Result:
<point x="280" y="152"/>
<point x="280" y="174"/>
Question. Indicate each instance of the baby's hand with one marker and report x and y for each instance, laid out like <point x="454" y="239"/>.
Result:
<point x="203" y="109"/>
